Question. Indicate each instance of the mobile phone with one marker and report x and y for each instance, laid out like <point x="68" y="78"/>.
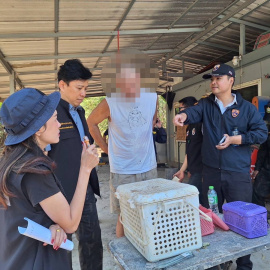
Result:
<point x="222" y="140"/>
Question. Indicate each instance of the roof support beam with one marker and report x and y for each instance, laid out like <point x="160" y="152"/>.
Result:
<point x="164" y="68"/>
<point x="67" y="56"/>
<point x="183" y="14"/>
<point x="56" y="28"/>
<point x="191" y="60"/>
<point x="183" y="66"/>
<point x="43" y="72"/>
<point x="12" y="83"/>
<point x="254" y="25"/>
<point x="216" y="46"/>
<point x="242" y="46"/>
<point x="180" y="75"/>
<point x="9" y="69"/>
<point x="118" y="27"/>
<point x="166" y="79"/>
<point x="173" y="23"/>
<point x="97" y="80"/>
<point x="209" y="29"/>
<point x="101" y="33"/>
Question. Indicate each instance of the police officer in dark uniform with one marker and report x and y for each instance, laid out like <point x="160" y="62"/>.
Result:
<point x="226" y="164"/>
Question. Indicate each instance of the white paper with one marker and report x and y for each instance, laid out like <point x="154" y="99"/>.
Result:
<point x="40" y="233"/>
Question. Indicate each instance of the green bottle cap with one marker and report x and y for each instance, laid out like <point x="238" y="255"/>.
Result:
<point x="211" y="187"/>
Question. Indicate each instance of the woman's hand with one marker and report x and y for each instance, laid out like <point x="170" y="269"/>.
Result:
<point x="89" y="159"/>
<point x="58" y="236"/>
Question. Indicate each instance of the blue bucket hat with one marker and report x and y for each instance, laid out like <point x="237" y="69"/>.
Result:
<point x="25" y="112"/>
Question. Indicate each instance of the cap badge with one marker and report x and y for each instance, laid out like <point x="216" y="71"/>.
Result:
<point x="230" y="73"/>
<point x="216" y="67"/>
<point x="235" y="113"/>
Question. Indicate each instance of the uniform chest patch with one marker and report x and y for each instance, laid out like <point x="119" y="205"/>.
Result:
<point x="193" y="131"/>
<point x="235" y="113"/>
<point x="66" y="125"/>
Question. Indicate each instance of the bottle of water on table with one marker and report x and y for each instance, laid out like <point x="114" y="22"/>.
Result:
<point x="213" y="199"/>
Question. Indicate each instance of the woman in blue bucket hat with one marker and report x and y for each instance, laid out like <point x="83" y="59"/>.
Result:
<point x="28" y="186"/>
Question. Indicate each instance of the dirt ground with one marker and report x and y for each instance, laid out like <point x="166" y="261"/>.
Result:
<point x="261" y="260"/>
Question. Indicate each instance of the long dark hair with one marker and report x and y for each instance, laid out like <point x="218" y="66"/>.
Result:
<point x="25" y="157"/>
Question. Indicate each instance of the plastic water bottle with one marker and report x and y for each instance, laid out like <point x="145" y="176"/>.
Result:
<point x="234" y="133"/>
<point x="213" y="199"/>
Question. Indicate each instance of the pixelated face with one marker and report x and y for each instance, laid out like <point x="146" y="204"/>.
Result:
<point x="221" y="84"/>
<point x="74" y="92"/>
<point x="128" y="81"/>
<point x="128" y="73"/>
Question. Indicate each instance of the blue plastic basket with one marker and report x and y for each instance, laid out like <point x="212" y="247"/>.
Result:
<point x="247" y="219"/>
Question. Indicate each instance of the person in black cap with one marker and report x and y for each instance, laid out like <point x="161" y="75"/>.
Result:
<point x="29" y="187"/>
<point x="73" y="79"/>
<point x="261" y="174"/>
<point x="226" y="156"/>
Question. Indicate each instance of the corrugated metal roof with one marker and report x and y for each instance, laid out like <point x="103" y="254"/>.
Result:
<point x="37" y="36"/>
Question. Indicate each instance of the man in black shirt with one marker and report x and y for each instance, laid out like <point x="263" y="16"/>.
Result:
<point x="73" y="82"/>
<point x="193" y="157"/>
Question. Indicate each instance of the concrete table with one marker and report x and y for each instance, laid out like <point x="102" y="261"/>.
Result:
<point x="224" y="246"/>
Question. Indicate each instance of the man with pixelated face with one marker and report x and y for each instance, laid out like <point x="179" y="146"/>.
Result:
<point x="130" y="107"/>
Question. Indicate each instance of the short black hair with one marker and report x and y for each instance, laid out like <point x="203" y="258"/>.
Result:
<point x="188" y="101"/>
<point x="72" y="70"/>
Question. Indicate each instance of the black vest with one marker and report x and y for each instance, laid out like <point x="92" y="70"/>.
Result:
<point x="67" y="153"/>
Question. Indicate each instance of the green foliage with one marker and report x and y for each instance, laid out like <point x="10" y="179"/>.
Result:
<point x="89" y="104"/>
<point x="162" y="111"/>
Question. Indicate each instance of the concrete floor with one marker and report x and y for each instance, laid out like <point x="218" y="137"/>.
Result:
<point x="261" y="260"/>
